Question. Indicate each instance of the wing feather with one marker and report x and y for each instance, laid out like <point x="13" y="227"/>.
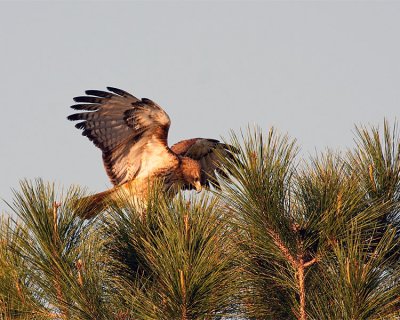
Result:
<point x="99" y="93"/>
<point x="126" y="129"/>
<point x="85" y="106"/>
<point x="120" y="92"/>
<point x="208" y="153"/>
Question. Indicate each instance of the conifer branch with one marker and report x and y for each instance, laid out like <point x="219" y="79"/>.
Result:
<point x="310" y="262"/>
<point x="281" y="246"/>
<point x="57" y="282"/>
<point x="183" y="290"/>
<point x="302" y="289"/>
<point x="78" y="265"/>
<point x="275" y="242"/>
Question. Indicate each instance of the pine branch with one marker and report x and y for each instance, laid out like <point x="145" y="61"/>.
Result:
<point x="282" y="239"/>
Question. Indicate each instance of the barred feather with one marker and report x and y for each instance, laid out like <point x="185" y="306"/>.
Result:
<point x="122" y="126"/>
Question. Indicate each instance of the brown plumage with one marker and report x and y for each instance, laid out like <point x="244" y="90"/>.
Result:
<point x="132" y="134"/>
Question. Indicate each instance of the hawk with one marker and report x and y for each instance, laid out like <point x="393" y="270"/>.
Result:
<point x="132" y="134"/>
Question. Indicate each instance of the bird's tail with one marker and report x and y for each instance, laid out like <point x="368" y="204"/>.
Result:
<point x="91" y="206"/>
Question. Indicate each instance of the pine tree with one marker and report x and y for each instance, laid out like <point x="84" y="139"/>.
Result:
<point x="320" y="239"/>
<point x="284" y="238"/>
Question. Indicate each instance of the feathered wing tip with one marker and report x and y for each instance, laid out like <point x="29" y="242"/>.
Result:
<point x="92" y="205"/>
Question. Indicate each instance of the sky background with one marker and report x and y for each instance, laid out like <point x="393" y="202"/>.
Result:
<point x="311" y="69"/>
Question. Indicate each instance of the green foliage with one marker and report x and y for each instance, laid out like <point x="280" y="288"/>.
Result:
<point x="171" y="259"/>
<point x="56" y="250"/>
<point x="360" y="283"/>
<point x="183" y="266"/>
<point x="310" y="233"/>
<point x="284" y="238"/>
<point x="257" y="191"/>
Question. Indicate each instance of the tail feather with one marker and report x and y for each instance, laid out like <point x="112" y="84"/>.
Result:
<point x="92" y="205"/>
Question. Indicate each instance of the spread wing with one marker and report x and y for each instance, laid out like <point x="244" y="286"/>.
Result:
<point x="129" y="131"/>
<point x="208" y="153"/>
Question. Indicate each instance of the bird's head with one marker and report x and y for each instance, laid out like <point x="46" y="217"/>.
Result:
<point x="191" y="172"/>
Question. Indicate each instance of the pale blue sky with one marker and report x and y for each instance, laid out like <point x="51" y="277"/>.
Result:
<point x="312" y="69"/>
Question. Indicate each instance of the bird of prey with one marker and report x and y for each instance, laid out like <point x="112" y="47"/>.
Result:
<point x="132" y="135"/>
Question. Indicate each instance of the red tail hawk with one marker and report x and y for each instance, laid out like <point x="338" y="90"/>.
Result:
<point x="132" y="134"/>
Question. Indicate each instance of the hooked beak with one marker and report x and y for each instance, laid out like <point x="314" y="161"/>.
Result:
<point x="198" y="186"/>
